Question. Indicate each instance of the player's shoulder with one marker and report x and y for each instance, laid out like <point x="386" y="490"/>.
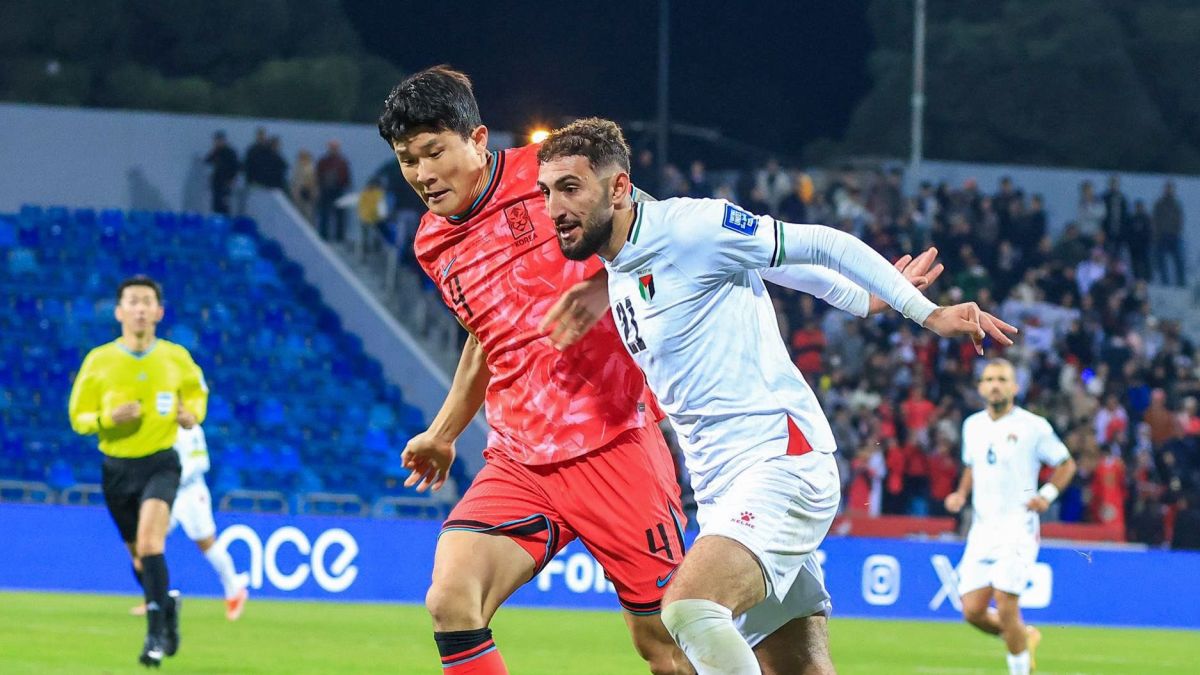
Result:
<point x="1028" y="417"/>
<point x="174" y="350"/>
<point x="522" y="155"/>
<point x="683" y="219"/>
<point x="101" y="352"/>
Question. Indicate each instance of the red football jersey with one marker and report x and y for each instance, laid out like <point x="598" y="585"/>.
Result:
<point x="500" y="270"/>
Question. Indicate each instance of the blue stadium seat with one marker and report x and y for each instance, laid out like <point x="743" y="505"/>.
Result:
<point x="263" y="335"/>
<point x="8" y="233"/>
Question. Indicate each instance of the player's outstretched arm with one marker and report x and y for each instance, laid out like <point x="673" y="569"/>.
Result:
<point x="430" y="453"/>
<point x="823" y="284"/>
<point x="919" y="271"/>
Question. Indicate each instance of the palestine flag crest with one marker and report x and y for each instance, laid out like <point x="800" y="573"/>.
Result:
<point x="646" y="285"/>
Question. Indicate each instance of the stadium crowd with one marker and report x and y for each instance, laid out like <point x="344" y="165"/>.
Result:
<point x="1120" y="385"/>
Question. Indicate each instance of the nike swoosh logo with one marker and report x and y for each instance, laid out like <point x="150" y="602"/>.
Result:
<point x="661" y="581"/>
<point x="446" y="269"/>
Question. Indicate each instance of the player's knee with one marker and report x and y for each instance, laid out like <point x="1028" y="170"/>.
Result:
<point x="452" y="609"/>
<point x="975" y="614"/>
<point x="661" y="653"/>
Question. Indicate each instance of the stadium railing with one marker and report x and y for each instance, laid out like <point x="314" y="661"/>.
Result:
<point x="26" y="492"/>
<point x="255" y="501"/>
<point x="333" y="504"/>
<point x="411" y="507"/>
<point x="82" y="494"/>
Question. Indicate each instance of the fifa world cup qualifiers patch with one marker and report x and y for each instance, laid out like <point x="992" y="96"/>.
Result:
<point x="740" y="221"/>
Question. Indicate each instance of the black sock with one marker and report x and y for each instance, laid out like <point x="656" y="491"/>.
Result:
<point x="136" y="575"/>
<point x="155" y="582"/>
<point x="455" y="642"/>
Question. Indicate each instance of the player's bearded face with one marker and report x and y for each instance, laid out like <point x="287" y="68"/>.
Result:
<point x="998" y="386"/>
<point x="595" y="227"/>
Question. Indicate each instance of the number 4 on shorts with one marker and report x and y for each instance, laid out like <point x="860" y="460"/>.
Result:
<point x="662" y="536"/>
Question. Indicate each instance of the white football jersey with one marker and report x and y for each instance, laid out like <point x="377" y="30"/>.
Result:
<point x="193" y="453"/>
<point x="689" y="300"/>
<point x="1005" y="457"/>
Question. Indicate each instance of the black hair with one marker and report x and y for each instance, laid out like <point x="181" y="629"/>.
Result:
<point x="436" y="99"/>
<point x="140" y="280"/>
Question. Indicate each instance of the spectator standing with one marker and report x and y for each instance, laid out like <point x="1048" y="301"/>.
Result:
<point x="645" y="175"/>
<point x="304" y="185"/>
<point x="794" y="207"/>
<point x="333" y="179"/>
<point x="1168" y="234"/>
<point x="1090" y="216"/>
<point x="274" y="166"/>
<point x="757" y="203"/>
<point x="1164" y="425"/>
<point x="1138" y="236"/>
<point x="372" y="211"/>
<point x="699" y="186"/>
<point x="1116" y="215"/>
<point x="774" y="182"/>
<point x="224" y="164"/>
<point x="258" y="160"/>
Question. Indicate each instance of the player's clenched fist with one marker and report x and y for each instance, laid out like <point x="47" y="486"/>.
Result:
<point x="428" y="457"/>
<point x="955" y="501"/>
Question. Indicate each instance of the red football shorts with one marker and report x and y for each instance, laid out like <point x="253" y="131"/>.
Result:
<point x="621" y="501"/>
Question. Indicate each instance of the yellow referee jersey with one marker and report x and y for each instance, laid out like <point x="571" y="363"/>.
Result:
<point x="160" y="378"/>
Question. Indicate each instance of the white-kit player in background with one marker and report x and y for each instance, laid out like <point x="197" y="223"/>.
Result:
<point x="1003" y="449"/>
<point x="193" y="511"/>
<point x="685" y="283"/>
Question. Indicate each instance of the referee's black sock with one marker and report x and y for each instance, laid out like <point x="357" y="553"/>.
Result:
<point x="137" y="575"/>
<point x="154" y="584"/>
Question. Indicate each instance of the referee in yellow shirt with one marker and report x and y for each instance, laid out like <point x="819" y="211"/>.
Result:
<point x="134" y="393"/>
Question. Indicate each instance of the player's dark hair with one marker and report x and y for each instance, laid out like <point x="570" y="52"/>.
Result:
<point x="140" y="280"/>
<point x="436" y="99"/>
<point x="600" y="140"/>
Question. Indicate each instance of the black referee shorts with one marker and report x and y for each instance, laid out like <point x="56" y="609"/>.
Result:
<point x="128" y="482"/>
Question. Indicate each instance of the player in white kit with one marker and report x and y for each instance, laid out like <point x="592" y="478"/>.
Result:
<point x="1003" y="449"/>
<point x="193" y="511"/>
<point x="685" y="284"/>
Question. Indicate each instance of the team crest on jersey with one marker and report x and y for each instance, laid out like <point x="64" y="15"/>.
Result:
<point x="646" y="285"/>
<point x="519" y="223"/>
<point x="740" y="221"/>
<point x="1012" y="439"/>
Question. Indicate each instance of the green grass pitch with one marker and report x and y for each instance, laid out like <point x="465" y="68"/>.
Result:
<point x="80" y="634"/>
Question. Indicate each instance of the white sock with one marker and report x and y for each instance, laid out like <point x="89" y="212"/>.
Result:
<point x="705" y="632"/>
<point x="1018" y="664"/>
<point x="219" y="558"/>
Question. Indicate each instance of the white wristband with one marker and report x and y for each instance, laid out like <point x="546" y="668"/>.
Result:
<point x="1049" y="492"/>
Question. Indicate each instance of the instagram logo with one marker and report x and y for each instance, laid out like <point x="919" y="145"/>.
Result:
<point x="881" y="580"/>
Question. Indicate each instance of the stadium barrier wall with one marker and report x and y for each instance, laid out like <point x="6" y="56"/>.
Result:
<point x="65" y="548"/>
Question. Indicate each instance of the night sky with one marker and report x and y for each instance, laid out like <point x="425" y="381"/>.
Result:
<point x="776" y="78"/>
